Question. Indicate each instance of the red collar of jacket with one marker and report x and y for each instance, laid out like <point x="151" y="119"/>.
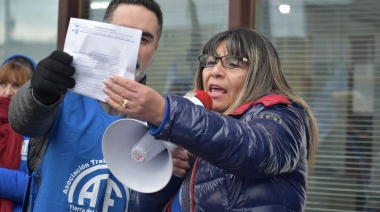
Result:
<point x="268" y="100"/>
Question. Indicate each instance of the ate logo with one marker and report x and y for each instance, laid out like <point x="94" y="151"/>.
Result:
<point x="90" y="188"/>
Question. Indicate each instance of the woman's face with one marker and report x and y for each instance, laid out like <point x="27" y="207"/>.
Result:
<point x="8" y="89"/>
<point x="223" y="84"/>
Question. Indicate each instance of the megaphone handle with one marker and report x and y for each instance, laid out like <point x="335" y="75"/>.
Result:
<point x="170" y="146"/>
<point x="146" y="148"/>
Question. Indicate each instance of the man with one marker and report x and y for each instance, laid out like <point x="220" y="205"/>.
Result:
<point x="72" y="174"/>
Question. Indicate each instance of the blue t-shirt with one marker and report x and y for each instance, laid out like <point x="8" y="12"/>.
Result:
<point x="73" y="172"/>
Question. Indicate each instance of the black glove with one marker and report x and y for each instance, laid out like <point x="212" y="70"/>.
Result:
<point x="52" y="77"/>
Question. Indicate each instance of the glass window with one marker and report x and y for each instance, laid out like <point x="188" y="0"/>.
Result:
<point x="187" y="26"/>
<point x="28" y="28"/>
<point x="329" y="53"/>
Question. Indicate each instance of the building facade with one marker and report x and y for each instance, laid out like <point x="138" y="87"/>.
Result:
<point x="329" y="51"/>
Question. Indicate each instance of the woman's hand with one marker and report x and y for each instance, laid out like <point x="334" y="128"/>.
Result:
<point x="134" y="99"/>
<point x="180" y="162"/>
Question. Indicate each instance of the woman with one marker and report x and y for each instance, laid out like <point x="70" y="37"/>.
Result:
<point x="252" y="151"/>
<point x="14" y="72"/>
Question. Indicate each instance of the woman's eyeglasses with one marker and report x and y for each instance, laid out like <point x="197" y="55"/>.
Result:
<point x="228" y="61"/>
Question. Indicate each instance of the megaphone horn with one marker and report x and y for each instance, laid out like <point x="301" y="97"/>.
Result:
<point x="147" y="176"/>
<point x="135" y="158"/>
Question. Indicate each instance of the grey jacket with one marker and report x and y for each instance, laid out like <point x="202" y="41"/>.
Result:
<point x="31" y="118"/>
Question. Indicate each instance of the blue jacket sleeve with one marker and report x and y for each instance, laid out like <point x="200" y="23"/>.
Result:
<point x="265" y="141"/>
<point x="13" y="184"/>
<point x="156" y="130"/>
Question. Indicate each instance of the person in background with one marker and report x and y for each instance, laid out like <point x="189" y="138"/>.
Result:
<point x="252" y="151"/>
<point x="14" y="72"/>
<point x="67" y="166"/>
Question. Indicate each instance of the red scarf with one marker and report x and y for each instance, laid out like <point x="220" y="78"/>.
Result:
<point x="10" y="148"/>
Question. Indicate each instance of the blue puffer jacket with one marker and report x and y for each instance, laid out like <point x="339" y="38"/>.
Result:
<point x="253" y="160"/>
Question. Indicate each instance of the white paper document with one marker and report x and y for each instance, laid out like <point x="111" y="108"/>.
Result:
<point x="100" y="50"/>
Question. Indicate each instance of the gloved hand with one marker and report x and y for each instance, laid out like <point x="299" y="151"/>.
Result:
<point x="52" y="77"/>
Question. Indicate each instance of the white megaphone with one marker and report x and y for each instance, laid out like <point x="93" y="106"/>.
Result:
<point x="135" y="158"/>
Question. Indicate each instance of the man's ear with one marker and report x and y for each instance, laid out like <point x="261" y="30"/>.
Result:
<point x="157" y="44"/>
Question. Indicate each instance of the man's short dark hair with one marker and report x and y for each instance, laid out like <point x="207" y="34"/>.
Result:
<point x="151" y="5"/>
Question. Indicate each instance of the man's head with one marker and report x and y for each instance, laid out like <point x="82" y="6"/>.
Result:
<point x="145" y="15"/>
